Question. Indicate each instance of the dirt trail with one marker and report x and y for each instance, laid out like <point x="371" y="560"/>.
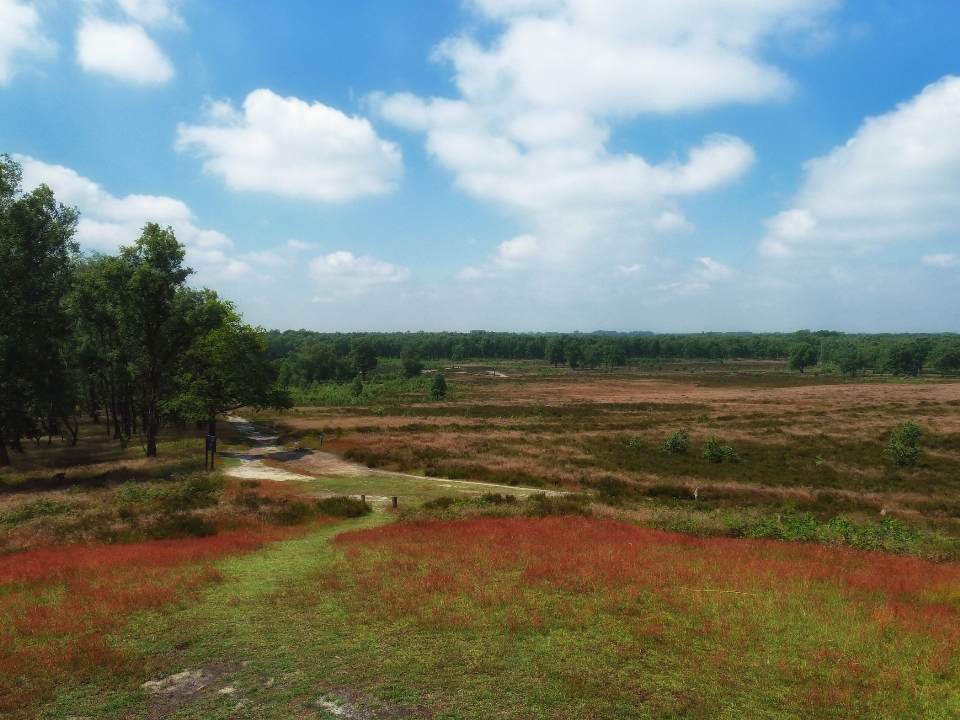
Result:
<point x="315" y="462"/>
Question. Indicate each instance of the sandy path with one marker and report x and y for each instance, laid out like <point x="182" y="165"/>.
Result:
<point x="315" y="462"/>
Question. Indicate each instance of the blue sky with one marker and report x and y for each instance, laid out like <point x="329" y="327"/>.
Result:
<point x="521" y="165"/>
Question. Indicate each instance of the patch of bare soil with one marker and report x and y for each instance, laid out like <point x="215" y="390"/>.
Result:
<point x="187" y="686"/>
<point x="352" y="705"/>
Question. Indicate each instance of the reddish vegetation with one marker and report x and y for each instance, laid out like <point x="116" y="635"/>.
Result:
<point x="57" y="605"/>
<point x="841" y="622"/>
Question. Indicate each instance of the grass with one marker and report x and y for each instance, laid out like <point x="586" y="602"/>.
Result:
<point x="554" y="618"/>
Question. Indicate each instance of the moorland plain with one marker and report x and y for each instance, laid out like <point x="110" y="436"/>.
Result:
<point x="810" y="445"/>
<point x="140" y="588"/>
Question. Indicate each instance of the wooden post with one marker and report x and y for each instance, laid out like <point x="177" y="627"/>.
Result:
<point x="363" y="498"/>
<point x="394" y="499"/>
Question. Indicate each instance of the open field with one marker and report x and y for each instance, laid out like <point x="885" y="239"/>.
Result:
<point x="146" y="589"/>
<point x="807" y="444"/>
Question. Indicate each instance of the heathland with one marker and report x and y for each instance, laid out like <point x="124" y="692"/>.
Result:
<point x="679" y="540"/>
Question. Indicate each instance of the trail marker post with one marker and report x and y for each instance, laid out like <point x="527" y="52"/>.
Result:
<point x="394" y="500"/>
<point x="210" y="453"/>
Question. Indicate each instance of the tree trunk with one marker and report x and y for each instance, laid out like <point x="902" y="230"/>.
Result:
<point x="4" y="457"/>
<point x="212" y="425"/>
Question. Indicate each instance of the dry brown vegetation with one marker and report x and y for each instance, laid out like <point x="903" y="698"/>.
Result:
<point x="806" y="443"/>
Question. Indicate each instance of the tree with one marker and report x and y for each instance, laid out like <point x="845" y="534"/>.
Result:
<point x="555" y="352"/>
<point x="226" y="366"/>
<point x="801" y="355"/>
<point x="850" y="359"/>
<point x="945" y="358"/>
<point x="37" y="256"/>
<point x="410" y="359"/>
<point x="148" y="276"/>
<point x="438" y="387"/>
<point x="574" y="354"/>
<point x="364" y="357"/>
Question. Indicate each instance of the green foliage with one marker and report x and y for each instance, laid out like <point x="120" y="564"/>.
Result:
<point x="364" y="356"/>
<point x="356" y="387"/>
<point x="945" y="357"/>
<point x="801" y="355"/>
<point x="635" y="443"/>
<point x="717" y="453"/>
<point x="343" y="506"/>
<point x="410" y="362"/>
<point x="539" y="408"/>
<point x="438" y="387"/>
<point x="677" y="444"/>
<point x="38" y="508"/>
<point x="904" y="444"/>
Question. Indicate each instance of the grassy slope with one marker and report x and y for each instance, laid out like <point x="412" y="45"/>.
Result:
<point x="559" y="618"/>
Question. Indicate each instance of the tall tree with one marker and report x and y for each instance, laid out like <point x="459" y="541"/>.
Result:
<point x="410" y="359"/>
<point x="37" y="255"/>
<point x="148" y="276"/>
<point x="364" y="357"/>
<point x="226" y="365"/>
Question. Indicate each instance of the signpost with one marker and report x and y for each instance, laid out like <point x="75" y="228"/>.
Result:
<point x="210" y="453"/>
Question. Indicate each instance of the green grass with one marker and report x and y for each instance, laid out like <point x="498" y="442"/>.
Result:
<point x="306" y="617"/>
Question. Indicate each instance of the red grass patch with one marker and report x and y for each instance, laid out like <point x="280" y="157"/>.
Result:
<point x="842" y="626"/>
<point x="58" y="604"/>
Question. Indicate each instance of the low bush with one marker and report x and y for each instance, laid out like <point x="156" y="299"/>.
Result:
<point x="904" y="447"/>
<point x="717" y="453"/>
<point x="677" y="444"/>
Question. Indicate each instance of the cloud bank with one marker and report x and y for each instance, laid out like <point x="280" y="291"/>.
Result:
<point x="539" y="103"/>
<point x="107" y="222"/>
<point x="897" y="180"/>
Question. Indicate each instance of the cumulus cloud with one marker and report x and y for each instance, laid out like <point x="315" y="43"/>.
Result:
<point x="123" y="51"/>
<point x="290" y="147"/>
<point x="896" y="180"/>
<point x="537" y="105"/>
<point x="943" y="260"/>
<point x="344" y="274"/>
<point x="107" y="222"/>
<point x="19" y="34"/>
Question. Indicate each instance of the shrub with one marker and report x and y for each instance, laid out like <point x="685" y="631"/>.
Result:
<point x="440" y="503"/>
<point x="343" y="506"/>
<point x="717" y="453"/>
<point x="498" y="499"/>
<point x="677" y="443"/>
<point x="903" y="444"/>
<point x="635" y="443"/>
<point x="438" y="388"/>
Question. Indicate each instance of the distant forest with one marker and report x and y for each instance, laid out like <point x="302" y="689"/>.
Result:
<point x="304" y="356"/>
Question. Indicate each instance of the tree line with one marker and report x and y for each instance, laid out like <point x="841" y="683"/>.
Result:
<point x="305" y="356"/>
<point x="119" y="338"/>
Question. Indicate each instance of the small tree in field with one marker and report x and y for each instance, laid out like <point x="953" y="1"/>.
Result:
<point x="438" y="388"/>
<point x="904" y="447"/>
<point x="801" y="355"/>
<point x="410" y="359"/>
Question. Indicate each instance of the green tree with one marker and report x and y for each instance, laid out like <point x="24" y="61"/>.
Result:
<point x="574" y="354"/>
<point x="904" y="444"/>
<point x="850" y="359"/>
<point x="148" y="276"/>
<point x="37" y="256"/>
<point x="438" y="387"/>
<point x="801" y="355"/>
<point x="410" y="362"/>
<point x="364" y="357"/>
<point x="226" y="365"/>
<point x="555" y="351"/>
<point x="945" y="357"/>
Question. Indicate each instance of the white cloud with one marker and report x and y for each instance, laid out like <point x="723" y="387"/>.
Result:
<point x="123" y="51"/>
<point x="19" y="33"/>
<point x="152" y="12"/>
<point x="344" y="274"/>
<point x="107" y="222"/>
<point x="538" y="104"/>
<point x="944" y="260"/>
<point x="289" y="147"/>
<point x="896" y="180"/>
